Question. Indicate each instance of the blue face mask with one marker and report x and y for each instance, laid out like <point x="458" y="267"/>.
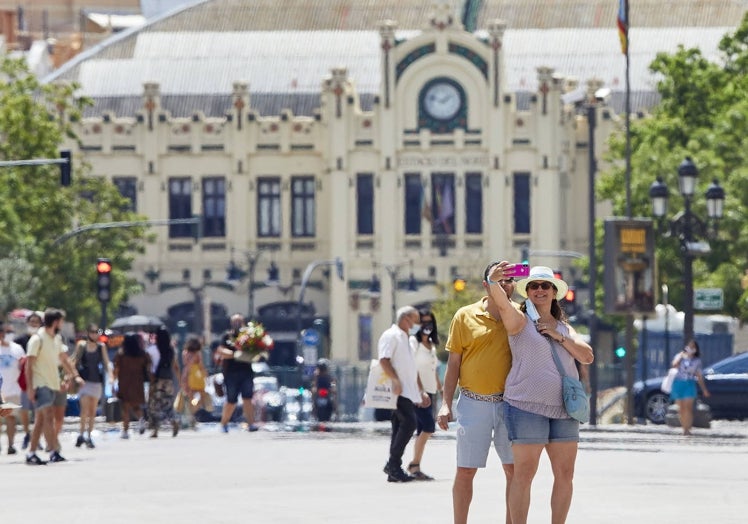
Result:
<point x="414" y="329"/>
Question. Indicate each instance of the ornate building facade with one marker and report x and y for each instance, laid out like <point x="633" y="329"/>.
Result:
<point x="434" y="172"/>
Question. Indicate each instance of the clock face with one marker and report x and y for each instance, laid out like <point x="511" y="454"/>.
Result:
<point x="442" y="100"/>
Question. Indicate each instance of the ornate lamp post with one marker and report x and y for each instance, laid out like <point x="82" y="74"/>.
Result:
<point x="688" y="227"/>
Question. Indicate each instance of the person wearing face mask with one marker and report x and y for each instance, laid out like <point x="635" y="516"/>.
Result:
<point x="45" y="352"/>
<point x="398" y="362"/>
<point x="424" y="345"/>
<point x="688" y="364"/>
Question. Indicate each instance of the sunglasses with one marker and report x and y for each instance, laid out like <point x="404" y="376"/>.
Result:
<point x="509" y="280"/>
<point x="545" y="286"/>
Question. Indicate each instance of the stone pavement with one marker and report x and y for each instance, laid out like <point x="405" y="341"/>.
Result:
<point x="642" y="474"/>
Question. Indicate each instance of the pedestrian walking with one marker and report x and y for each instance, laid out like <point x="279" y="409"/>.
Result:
<point x="479" y="361"/>
<point x="45" y="352"/>
<point x="424" y="345"/>
<point x="399" y="364"/>
<point x="238" y="378"/>
<point x="33" y="323"/>
<point x="689" y="366"/>
<point x="162" y="391"/>
<point x="10" y="358"/>
<point x="91" y="359"/>
<point x="192" y="380"/>
<point x="131" y="368"/>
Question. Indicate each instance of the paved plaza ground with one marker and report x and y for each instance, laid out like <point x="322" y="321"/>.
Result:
<point x="278" y="475"/>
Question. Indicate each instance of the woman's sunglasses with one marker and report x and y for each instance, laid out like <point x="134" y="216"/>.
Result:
<point x="545" y="286"/>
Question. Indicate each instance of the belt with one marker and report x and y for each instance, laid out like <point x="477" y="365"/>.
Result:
<point x="496" y="397"/>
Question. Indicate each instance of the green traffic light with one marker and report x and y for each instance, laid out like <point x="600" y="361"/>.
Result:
<point x="621" y="352"/>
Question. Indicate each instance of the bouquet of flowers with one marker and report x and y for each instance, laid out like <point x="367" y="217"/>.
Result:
<point x="251" y="341"/>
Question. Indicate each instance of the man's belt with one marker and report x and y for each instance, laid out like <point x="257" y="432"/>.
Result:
<point x="496" y="397"/>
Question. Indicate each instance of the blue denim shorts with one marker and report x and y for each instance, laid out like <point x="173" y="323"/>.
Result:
<point x="44" y="397"/>
<point x="683" y="389"/>
<point x="528" y="428"/>
<point x="479" y="424"/>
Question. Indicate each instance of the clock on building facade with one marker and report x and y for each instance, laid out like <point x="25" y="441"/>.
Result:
<point x="442" y="106"/>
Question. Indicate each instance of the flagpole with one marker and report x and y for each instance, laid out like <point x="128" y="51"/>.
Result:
<point x="628" y="115"/>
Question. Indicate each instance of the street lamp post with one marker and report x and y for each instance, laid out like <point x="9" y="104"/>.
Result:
<point x="234" y="273"/>
<point x="393" y="271"/>
<point x="688" y="227"/>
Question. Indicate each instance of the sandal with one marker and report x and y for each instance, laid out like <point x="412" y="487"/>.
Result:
<point x="416" y="473"/>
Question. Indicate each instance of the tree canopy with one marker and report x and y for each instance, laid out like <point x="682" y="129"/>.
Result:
<point x="703" y="114"/>
<point x="35" y="210"/>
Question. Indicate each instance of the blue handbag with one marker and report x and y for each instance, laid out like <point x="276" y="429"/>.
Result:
<point x="575" y="395"/>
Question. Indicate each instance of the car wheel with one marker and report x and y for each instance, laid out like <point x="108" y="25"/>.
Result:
<point x="656" y="407"/>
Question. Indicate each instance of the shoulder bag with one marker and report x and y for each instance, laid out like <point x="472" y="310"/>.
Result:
<point x="575" y="395"/>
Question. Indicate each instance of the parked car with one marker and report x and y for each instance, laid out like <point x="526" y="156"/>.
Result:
<point x="726" y="380"/>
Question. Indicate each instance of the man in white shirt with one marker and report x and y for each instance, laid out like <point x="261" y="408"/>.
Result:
<point x="10" y="355"/>
<point x="399" y="364"/>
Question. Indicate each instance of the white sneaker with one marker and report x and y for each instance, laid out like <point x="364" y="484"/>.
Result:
<point x="124" y="435"/>
<point x="141" y="426"/>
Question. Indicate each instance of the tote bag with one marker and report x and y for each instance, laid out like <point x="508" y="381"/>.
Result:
<point x="379" y="393"/>
<point x="667" y="382"/>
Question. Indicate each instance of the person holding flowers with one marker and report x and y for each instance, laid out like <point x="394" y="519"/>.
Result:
<point x="241" y="345"/>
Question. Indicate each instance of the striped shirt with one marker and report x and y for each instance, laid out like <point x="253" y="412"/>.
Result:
<point x="534" y="383"/>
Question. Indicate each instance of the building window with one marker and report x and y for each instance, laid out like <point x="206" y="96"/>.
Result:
<point x="268" y="207"/>
<point x="180" y="206"/>
<point x="364" y="337"/>
<point x="128" y="188"/>
<point x="443" y="203"/>
<point x="414" y="203"/>
<point x="473" y="203"/>
<point x="214" y="206"/>
<point x="365" y="203"/>
<point x="521" y="203"/>
<point x="302" y="206"/>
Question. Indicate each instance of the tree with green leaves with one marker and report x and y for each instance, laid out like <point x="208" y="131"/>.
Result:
<point x="703" y="114"/>
<point x="35" y="210"/>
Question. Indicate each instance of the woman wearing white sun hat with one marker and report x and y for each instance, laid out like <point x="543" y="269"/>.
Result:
<point x="533" y="404"/>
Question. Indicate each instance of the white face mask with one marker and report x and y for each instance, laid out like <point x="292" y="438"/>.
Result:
<point x="414" y="329"/>
<point x="427" y="331"/>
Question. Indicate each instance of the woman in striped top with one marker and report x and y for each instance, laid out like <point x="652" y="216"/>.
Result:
<point x="533" y="404"/>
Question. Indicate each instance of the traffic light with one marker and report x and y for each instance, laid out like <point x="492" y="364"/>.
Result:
<point x="104" y="279"/>
<point x="66" y="168"/>
<point x="620" y="352"/>
<point x="459" y="284"/>
<point x="571" y="301"/>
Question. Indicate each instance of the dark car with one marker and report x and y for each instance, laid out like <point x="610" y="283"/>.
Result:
<point x="726" y="380"/>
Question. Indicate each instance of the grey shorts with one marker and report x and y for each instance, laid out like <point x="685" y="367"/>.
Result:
<point x="61" y="399"/>
<point x="479" y="424"/>
<point x="25" y="402"/>
<point x="44" y="397"/>
<point x="91" y="389"/>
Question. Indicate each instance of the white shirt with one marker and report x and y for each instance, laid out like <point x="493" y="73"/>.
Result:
<point x="10" y="354"/>
<point x="426" y="363"/>
<point x="393" y="344"/>
<point x="155" y="355"/>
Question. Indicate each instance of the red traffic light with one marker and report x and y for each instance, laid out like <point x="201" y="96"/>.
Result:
<point x="103" y="266"/>
<point x="571" y="295"/>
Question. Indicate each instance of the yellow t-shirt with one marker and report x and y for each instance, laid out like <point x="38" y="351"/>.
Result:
<point x="47" y="351"/>
<point x="484" y="345"/>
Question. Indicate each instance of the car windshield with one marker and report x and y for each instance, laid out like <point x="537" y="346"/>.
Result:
<point x="731" y="366"/>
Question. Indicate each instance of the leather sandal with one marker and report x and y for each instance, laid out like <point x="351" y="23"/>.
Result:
<point x="416" y="473"/>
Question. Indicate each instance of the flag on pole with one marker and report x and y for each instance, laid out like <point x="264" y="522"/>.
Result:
<point x="623" y="25"/>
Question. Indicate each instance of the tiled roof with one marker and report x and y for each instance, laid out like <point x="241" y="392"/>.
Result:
<point x="285" y="48"/>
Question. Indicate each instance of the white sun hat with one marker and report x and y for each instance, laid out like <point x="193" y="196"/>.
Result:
<point x="543" y="274"/>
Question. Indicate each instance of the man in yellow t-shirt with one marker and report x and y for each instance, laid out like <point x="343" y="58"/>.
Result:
<point x="45" y="352"/>
<point x="479" y="360"/>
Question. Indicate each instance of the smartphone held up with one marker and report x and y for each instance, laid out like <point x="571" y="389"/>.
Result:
<point x="518" y="270"/>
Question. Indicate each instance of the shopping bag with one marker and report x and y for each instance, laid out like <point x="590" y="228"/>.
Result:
<point x="667" y="382"/>
<point x="379" y="393"/>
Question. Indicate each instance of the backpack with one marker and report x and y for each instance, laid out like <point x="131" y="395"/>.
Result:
<point x="22" y="375"/>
